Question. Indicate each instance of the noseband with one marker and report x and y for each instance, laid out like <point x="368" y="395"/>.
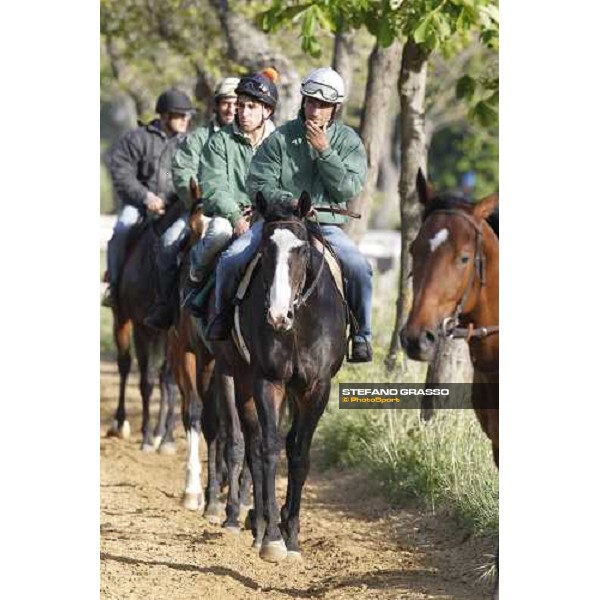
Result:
<point x="450" y="325"/>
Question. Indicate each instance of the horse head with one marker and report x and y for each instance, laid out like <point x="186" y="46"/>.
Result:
<point x="449" y="265"/>
<point x="285" y="253"/>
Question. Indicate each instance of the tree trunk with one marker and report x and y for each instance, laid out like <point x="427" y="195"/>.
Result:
<point x="411" y="86"/>
<point x="248" y="46"/>
<point x="343" y="50"/>
<point x="382" y="78"/>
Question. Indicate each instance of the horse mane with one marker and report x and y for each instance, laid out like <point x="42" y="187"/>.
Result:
<point x="282" y="210"/>
<point x="448" y="201"/>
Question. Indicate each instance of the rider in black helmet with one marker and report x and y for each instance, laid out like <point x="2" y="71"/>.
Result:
<point x="140" y="165"/>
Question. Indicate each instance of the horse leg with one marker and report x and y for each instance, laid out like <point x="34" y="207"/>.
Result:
<point x="166" y="421"/>
<point x="310" y="409"/>
<point x="191" y="412"/>
<point x="290" y="443"/>
<point x="143" y="348"/>
<point x="210" y="427"/>
<point x="122" y="336"/>
<point x="235" y="454"/>
<point x="269" y="397"/>
<point x="253" y="445"/>
<point x="245" y="489"/>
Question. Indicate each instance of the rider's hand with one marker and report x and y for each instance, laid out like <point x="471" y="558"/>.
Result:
<point x="155" y="203"/>
<point x="241" y="226"/>
<point x="316" y="137"/>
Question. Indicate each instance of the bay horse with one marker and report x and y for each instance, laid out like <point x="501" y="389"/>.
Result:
<point x="208" y="407"/>
<point x="455" y="291"/>
<point x="135" y="297"/>
<point x="455" y="294"/>
<point x="294" y="322"/>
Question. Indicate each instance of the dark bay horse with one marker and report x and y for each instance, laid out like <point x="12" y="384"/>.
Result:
<point x="455" y="288"/>
<point x="294" y="322"/>
<point x="135" y="298"/>
<point x="208" y="407"/>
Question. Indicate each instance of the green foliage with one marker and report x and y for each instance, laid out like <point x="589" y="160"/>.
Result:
<point x="436" y="25"/>
<point x="460" y="149"/>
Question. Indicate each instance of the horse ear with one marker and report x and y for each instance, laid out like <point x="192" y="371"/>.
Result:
<point x="304" y="204"/>
<point x="424" y="188"/>
<point x="260" y="202"/>
<point x="485" y="207"/>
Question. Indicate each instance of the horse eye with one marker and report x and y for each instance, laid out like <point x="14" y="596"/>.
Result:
<point x="464" y="259"/>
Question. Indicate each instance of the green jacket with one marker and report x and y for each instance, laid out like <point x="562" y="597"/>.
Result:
<point x="186" y="161"/>
<point x="224" y="166"/>
<point x="286" y="165"/>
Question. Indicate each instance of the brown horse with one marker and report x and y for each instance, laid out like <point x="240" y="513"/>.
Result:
<point x="455" y="286"/>
<point x="208" y="406"/>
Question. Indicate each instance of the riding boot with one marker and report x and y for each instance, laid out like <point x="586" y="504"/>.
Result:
<point x="162" y="313"/>
<point x="359" y="350"/>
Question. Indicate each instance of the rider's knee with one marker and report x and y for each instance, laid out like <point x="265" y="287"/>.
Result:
<point x="220" y="232"/>
<point x="128" y="217"/>
<point x="174" y="234"/>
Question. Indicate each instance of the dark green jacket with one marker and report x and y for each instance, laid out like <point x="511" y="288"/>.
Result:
<point x="186" y="161"/>
<point x="286" y="165"/>
<point x="224" y="166"/>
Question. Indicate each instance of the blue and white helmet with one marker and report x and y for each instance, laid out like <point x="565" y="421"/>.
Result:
<point x="325" y="84"/>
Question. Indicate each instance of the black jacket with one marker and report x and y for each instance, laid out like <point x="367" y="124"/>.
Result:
<point x="141" y="161"/>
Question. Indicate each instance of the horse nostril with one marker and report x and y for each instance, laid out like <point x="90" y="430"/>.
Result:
<point x="290" y="315"/>
<point x="430" y="336"/>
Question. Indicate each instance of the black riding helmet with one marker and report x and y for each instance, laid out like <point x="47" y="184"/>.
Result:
<point x="174" y="101"/>
<point x="261" y="86"/>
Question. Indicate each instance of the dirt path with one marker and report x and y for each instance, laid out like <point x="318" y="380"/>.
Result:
<point x="355" y="545"/>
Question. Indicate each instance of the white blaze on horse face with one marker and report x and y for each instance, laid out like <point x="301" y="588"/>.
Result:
<point x="439" y="238"/>
<point x="281" y="292"/>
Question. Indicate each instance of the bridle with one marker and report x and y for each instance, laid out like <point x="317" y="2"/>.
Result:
<point x="450" y="325"/>
<point x="301" y="298"/>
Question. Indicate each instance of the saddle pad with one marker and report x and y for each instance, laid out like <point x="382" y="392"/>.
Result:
<point x="333" y="264"/>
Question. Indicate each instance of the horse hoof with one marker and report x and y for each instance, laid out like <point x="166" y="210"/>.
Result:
<point x="231" y="530"/>
<point x="256" y="544"/>
<point x="192" y="501"/>
<point x="156" y="442"/>
<point x="214" y="513"/>
<point x="244" y="515"/>
<point x="123" y="432"/>
<point x="148" y="448"/>
<point x="294" y="556"/>
<point x="167" y="449"/>
<point x="273" y="551"/>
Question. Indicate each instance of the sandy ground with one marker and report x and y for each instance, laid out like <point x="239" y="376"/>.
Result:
<point x="354" y="543"/>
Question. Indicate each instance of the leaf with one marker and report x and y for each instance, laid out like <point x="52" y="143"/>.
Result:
<point x="484" y="114"/>
<point x="465" y="87"/>
<point x="386" y="33"/>
<point x="421" y="31"/>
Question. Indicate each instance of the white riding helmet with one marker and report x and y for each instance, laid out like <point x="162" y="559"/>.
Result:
<point x="325" y="84"/>
<point x="226" y="88"/>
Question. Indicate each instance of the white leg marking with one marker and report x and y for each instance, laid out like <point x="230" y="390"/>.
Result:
<point x="193" y="466"/>
<point x="439" y="238"/>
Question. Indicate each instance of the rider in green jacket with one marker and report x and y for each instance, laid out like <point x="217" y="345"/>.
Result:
<point x="185" y="166"/>
<point x="317" y="154"/>
<point x="224" y="166"/>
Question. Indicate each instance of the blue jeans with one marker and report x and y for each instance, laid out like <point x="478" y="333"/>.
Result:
<point x="128" y="217"/>
<point x="355" y="268"/>
<point x="171" y="243"/>
<point x="218" y="235"/>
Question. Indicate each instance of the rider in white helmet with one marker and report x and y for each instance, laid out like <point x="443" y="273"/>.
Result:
<point x="318" y="154"/>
